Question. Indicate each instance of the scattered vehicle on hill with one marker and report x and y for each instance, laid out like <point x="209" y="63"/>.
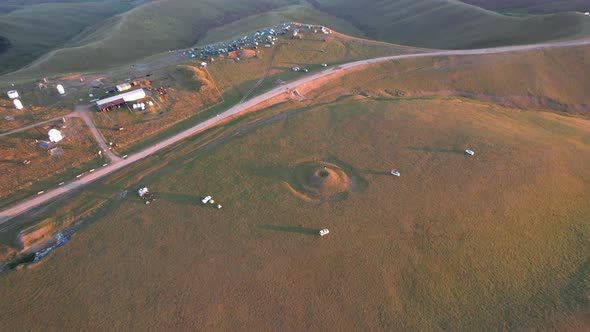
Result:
<point x="394" y="172"/>
<point x="324" y="232"/>
<point x="469" y="152"/>
<point x="145" y="194"/>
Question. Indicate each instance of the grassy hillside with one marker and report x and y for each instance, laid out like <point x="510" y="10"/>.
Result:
<point x="146" y="30"/>
<point x="450" y="24"/>
<point x="31" y="31"/>
<point x="531" y="80"/>
<point x="159" y="26"/>
<point x="498" y="241"/>
<point x="532" y="6"/>
<point x="296" y="13"/>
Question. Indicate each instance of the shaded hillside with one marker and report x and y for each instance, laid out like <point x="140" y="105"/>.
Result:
<point x="32" y="31"/>
<point x="532" y="6"/>
<point x="151" y="28"/>
<point x="450" y="24"/>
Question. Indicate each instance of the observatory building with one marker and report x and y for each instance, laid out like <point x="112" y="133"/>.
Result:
<point x="55" y="135"/>
<point x="114" y="101"/>
<point x="12" y="94"/>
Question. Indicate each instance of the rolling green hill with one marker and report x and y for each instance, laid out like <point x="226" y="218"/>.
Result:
<point x="450" y="24"/>
<point x="146" y="30"/>
<point x="155" y="27"/>
<point x="532" y="6"/>
<point x="296" y="13"/>
<point x="33" y="30"/>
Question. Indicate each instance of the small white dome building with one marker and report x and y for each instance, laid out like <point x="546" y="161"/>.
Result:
<point x="55" y="135"/>
<point x="12" y="94"/>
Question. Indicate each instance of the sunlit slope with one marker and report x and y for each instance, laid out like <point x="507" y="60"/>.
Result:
<point x="146" y="30"/>
<point x="33" y="30"/>
<point x="295" y="13"/>
<point x="494" y="241"/>
<point x="451" y="24"/>
<point x="540" y="80"/>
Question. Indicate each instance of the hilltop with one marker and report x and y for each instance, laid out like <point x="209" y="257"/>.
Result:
<point x="97" y="36"/>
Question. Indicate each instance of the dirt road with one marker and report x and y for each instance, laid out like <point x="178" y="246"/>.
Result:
<point x="82" y="113"/>
<point x="33" y="202"/>
<point x="30" y="126"/>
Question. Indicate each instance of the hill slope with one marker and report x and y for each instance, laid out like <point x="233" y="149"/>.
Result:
<point x="170" y="24"/>
<point x="450" y="24"/>
<point x="498" y="241"/>
<point x="27" y="32"/>
<point x="532" y="6"/>
<point x="146" y="30"/>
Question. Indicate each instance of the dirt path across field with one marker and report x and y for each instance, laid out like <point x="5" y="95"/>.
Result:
<point x="82" y="112"/>
<point x="30" y="126"/>
<point x="33" y="202"/>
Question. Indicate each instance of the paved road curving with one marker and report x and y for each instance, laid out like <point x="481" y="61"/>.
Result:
<point x="16" y="210"/>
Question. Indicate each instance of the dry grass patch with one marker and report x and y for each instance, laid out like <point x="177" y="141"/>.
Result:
<point x="494" y="241"/>
<point x="75" y="150"/>
<point x="188" y="91"/>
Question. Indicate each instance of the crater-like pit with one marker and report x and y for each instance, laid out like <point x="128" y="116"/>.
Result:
<point x="322" y="181"/>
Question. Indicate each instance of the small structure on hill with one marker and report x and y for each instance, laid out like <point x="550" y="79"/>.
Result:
<point x="60" y="89"/>
<point x="145" y="194"/>
<point x="324" y="231"/>
<point x="125" y="86"/>
<point x="395" y="172"/>
<point x="55" y="135"/>
<point x="142" y="191"/>
<point x="18" y="104"/>
<point x="206" y="199"/>
<point x="115" y="101"/>
<point x="469" y="152"/>
<point x="12" y="94"/>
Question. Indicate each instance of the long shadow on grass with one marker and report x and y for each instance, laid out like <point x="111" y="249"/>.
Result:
<point x="437" y="150"/>
<point x="290" y="229"/>
<point x="179" y="198"/>
<point x="371" y="172"/>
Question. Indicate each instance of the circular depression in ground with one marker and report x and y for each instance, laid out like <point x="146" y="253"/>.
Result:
<point x="323" y="181"/>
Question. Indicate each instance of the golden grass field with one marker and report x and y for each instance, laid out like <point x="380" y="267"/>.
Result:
<point x="236" y="79"/>
<point x="495" y="241"/>
<point x="79" y="154"/>
<point x="190" y="91"/>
